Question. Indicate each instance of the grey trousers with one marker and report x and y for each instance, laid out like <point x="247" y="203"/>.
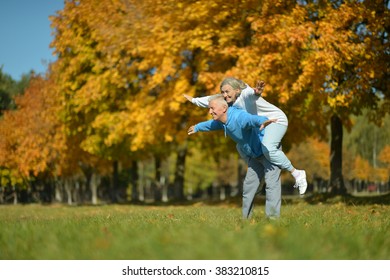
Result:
<point x="257" y="169"/>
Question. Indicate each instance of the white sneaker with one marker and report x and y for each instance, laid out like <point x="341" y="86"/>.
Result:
<point x="301" y="182"/>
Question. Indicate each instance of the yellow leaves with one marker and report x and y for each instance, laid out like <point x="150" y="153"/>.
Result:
<point x="362" y="169"/>
<point x="367" y="56"/>
<point x="125" y="65"/>
<point x="174" y="106"/>
<point x="385" y="155"/>
<point x="110" y="128"/>
<point x="181" y="86"/>
<point x="340" y="100"/>
<point x="10" y="177"/>
<point x="313" y="156"/>
<point x="380" y="174"/>
<point x="168" y="138"/>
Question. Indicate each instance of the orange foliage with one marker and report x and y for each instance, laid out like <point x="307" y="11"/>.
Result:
<point x="123" y="67"/>
<point x="361" y="169"/>
<point x="313" y="156"/>
<point x="384" y="156"/>
<point x="135" y="59"/>
<point x="32" y="136"/>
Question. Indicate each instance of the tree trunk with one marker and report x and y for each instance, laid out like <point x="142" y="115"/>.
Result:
<point x="178" y="184"/>
<point x="115" y="182"/>
<point x="58" y="190"/>
<point x="68" y="189"/>
<point x="94" y="182"/>
<point x="15" y="196"/>
<point x="88" y="173"/>
<point x="134" y="181"/>
<point x="336" y="183"/>
<point x="157" y="186"/>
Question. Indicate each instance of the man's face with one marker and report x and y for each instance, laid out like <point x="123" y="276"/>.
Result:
<point x="229" y="94"/>
<point x="217" y="110"/>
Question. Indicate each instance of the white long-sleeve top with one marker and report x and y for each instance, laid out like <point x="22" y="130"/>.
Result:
<point x="251" y="103"/>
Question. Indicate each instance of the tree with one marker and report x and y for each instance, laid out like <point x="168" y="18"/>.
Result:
<point x="368" y="139"/>
<point x="10" y="88"/>
<point x="92" y="82"/>
<point x="323" y="61"/>
<point x="6" y="84"/>
<point x="31" y="139"/>
<point x="134" y="52"/>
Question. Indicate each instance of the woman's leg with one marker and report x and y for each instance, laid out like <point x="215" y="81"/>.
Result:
<point x="271" y="146"/>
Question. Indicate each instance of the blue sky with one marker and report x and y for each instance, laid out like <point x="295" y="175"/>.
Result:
<point x="25" y="35"/>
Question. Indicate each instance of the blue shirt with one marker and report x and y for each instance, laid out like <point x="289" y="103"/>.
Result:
<point x="242" y="127"/>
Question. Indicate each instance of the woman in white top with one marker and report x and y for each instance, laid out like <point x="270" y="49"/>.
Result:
<point x="241" y="95"/>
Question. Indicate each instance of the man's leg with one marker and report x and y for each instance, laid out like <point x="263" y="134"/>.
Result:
<point x="251" y="183"/>
<point x="273" y="189"/>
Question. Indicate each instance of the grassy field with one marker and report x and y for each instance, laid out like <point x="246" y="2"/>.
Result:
<point x="306" y="231"/>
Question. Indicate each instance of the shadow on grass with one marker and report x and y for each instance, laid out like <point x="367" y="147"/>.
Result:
<point x="317" y="198"/>
<point x="313" y="199"/>
<point x="349" y="199"/>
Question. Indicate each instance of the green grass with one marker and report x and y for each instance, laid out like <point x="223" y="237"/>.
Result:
<point x="305" y="232"/>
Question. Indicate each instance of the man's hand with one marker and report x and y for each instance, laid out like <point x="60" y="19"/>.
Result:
<point x="189" y="98"/>
<point x="260" y="85"/>
<point x="266" y="123"/>
<point x="191" y="130"/>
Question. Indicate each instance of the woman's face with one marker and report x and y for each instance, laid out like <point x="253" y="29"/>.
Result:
<point x="229" y="94"/>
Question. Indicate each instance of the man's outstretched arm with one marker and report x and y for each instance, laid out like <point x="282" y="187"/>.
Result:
<point x="210" y="125"/>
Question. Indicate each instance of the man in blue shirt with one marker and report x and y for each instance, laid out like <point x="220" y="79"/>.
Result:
<point x="246" y="130"/>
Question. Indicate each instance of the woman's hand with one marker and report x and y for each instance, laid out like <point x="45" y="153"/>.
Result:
<point x="189" y="98"/>
<point x="260" y="85"/>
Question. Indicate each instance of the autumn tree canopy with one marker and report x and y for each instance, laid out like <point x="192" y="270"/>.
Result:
<point x="124" y="65"/>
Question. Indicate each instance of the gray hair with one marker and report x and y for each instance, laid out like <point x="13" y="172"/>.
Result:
<point x="234" y="83"/>
<point x="218" y="98"/>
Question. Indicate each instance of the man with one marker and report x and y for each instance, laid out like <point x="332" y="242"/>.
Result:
<point x="246" y="130"/>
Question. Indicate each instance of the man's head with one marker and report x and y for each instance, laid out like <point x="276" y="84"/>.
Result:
<point x="231" y="88"/>
<point x="218" y="108"/>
